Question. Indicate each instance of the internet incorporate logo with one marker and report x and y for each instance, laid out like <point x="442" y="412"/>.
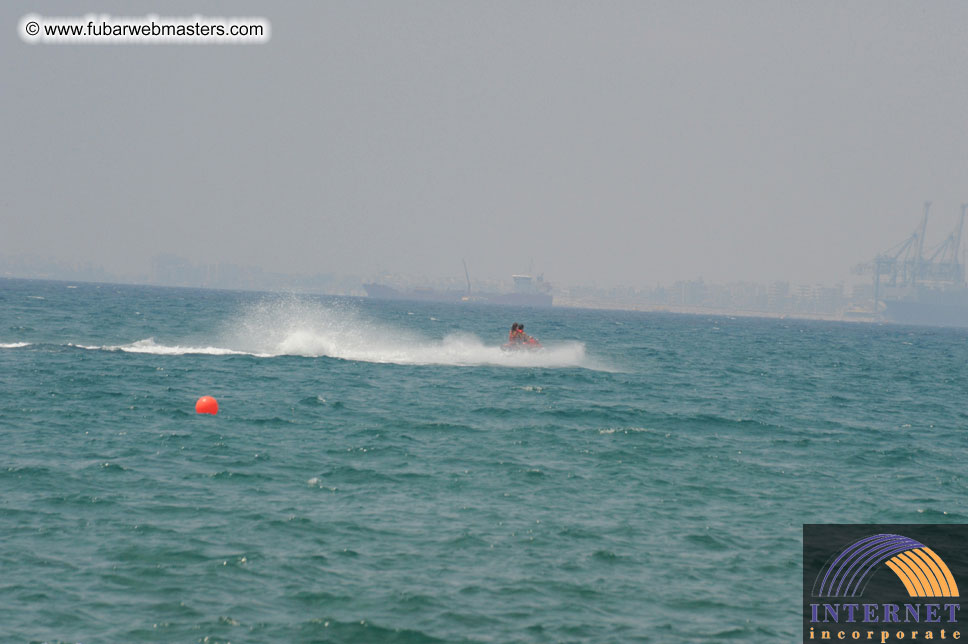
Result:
<point x="922" y="572"/>
<point x="893" y="572"/>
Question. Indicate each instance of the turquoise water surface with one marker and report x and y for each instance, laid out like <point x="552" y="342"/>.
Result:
<point x="383" y="472"/>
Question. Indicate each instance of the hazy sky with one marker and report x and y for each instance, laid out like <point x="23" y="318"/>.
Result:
<point x="610" y="142"/>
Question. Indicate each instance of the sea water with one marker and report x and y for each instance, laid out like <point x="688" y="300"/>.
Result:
<point x="383" y="472"/>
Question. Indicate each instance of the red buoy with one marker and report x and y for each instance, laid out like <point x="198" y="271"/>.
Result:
<point x="206" y="405"/>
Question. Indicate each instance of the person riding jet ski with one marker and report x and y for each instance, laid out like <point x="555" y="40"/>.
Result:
<point x="518" y="339"/>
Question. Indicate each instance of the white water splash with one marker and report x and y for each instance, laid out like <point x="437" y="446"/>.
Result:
<point x="148" y="345"/>
<point x="296" y="327"/>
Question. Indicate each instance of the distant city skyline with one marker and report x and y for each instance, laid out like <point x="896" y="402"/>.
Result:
<point x="775" y="297"/>
<point x="197" y="273"/>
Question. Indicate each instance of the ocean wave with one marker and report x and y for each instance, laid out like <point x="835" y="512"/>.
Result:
<point x="14" y="345"/>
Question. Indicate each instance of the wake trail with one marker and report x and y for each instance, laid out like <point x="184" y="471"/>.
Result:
<point x="299" y="327"/>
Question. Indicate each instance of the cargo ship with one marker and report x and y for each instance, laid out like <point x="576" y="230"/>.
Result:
<point x="928" y="306"/>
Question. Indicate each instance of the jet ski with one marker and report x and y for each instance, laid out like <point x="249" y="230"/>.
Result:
<point x="531" y="344"/>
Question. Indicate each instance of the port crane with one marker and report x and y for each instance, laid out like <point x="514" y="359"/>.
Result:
<point x="908" y="265"/>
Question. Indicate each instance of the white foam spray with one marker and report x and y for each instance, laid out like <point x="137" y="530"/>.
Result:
<point x="148" y="345"/>
<point x="294" y="326"/>
<point x="298" y="327"/>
